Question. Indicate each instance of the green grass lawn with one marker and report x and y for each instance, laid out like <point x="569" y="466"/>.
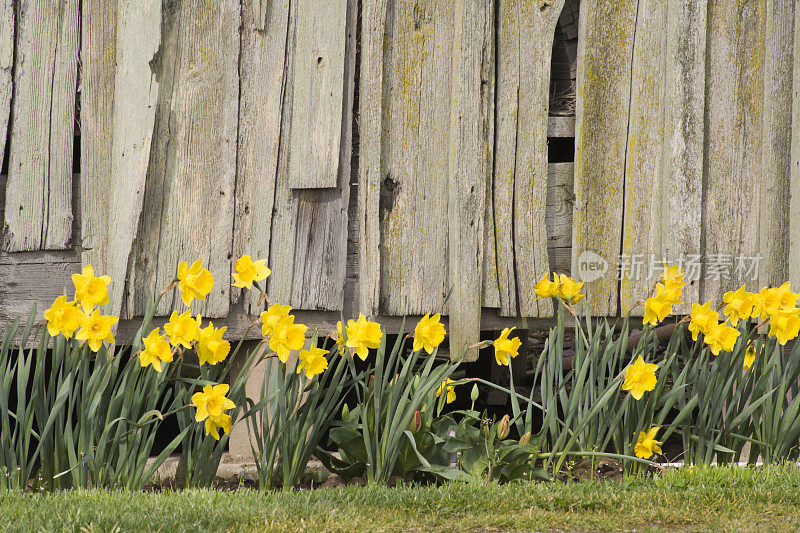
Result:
<point x="686" y="500"/>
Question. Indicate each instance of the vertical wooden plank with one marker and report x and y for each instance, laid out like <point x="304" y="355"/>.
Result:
<point x="262" y="74"/>
<point x="318" y="86"/>
<point x="605" y="48"/>
<point x="98" y="58"/>
<point x="774" y="224"/>
<point x="682" y="148"/>
<point x="794" y="171"/>
<point x="6" y="66"/>
<point x="469" y="172"/>
<point x="525" y="41"/>
<point x="135" y="98"/>
<point x="733" y="143"/>
<point x="414" y="188"/>
<point x="309" y="264"/>
<point x="370" y="170"/>
<point x="39" y="192"/>
<point x="642" y="231"/>
<point x="191" y="186"/>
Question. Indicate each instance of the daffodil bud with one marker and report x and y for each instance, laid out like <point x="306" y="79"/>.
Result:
<point x="416" y="422"/>
<point x="526" y="438"/>
<point x="503" y="428"/>
<point x="372" y="382"/>
<point x="474" y="394"/>
<point x="345" y="413"/>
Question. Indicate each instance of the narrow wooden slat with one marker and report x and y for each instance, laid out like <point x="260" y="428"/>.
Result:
<point x="794" y="169"/>
<point x="414" y="188"/>
<point x="38" y="196"/>
<point x="682" y="146"/>
<point x="603" y="82"/>
<point x="6" y="65"/>
<point x="374" y="17"/>
<point x="537" y="24"/>
<point x="733" y="142"/>
<point x="309" y="269"/>
<point x="318" y="85"/>
<point x="262" y="71"/>
<point x="135" y="99"/>
<point x="260" y="11"/>
<point x="98" y="58"/>
<point x="188" y="209"/>
<point x="774" y="224"/>
<point x="469" y="172"/>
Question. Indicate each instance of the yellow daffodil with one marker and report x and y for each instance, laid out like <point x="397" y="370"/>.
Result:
<point x="313" y="361"/>
<point x="339" y="336"/>
<point x="271" y="316"/>
<point x="89" y="289"/>
<point x="63" y="317"/>
<point x="749" y="357"/>
<point x="429" y="333"/>
<point x="211" y="347"/>
<point x="287" y="336"/>
<point x="363" y="336"/>
<point x="156" y="350"/>
<point x="212" y="401"/>
<point x="784" y="325"/>
<point x="703" y="318"/>
<point x="214" y="423"/>
<point x="639" y="378"/>
<point x="183" y="329"/>
<point x="95" y="329"/>
<point x="672" y="278"/>
<point x="505" y="348"/>
<point x="451" y="390"/>
<point x="248" y="271"/>
<point x="774" y="299"/>
<point x="658" y="307"/>
<point x="740" y="304"/>
<point x="569" y="290"/>
<point x="546" y="288"/>
<point x="194" y="282"/>
<point x="721" y="337"/>
<point x="646" y="444"/>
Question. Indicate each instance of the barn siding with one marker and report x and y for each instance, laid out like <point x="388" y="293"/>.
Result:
<point x="213" y="130"/>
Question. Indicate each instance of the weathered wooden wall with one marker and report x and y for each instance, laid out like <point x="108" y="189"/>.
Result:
<point x="388" y="155"/>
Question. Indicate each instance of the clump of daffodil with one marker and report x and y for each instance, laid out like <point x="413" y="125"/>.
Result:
<point x="720" y="337"/>
<point x="546" y="288"/>
<point x="183" y="329"/>
<point x="505" y="348"/>
<point x="429" y="333"/>
<point x="363" y="336"/>
<point x="287" y="336"/>
<point x="249" y="271"/>
<point x="569" y="290"/>
<point x="703" y="318"/>
<point x="640" y="377"/>
<point x="90" y="290"/>
<point x="749" y="357"/>
<point x="646" y="444"/>
<point x="451" y="390"/>
<point x="211" y="347"/>
<point x="156" y="350"/>
<point x="784" y="325"/>
<point x="271" y="316"/>
<point x="740" y="304"/>
<point x="63" y="317"/>
<point x="313" y="361"/>
<point x="194" y="282"/>
<point x="211" y="404"/>
<point x="95" y="329"/>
